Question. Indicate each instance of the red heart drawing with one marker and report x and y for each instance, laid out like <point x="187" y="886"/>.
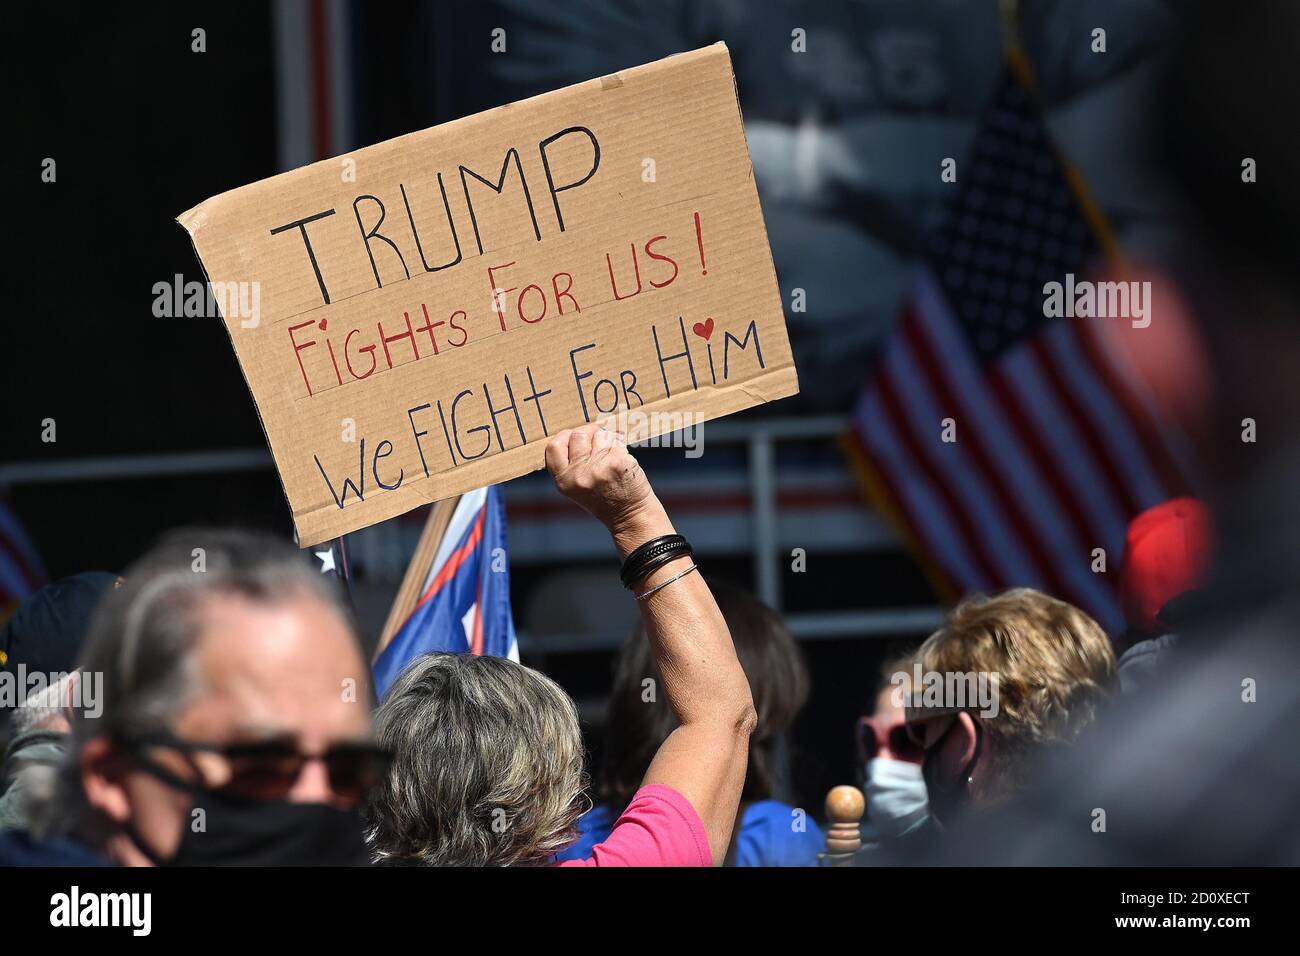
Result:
<point x="321" y="324"/>
<point x="703" y="329"/>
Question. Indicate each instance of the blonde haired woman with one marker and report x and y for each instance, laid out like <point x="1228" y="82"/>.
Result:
<point x="1049" y="667"/>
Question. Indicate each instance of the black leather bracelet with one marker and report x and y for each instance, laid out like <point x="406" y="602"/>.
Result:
<point x="653" y="554"/>
<point x="645" y="551"/>
<point x="656" y="560"/>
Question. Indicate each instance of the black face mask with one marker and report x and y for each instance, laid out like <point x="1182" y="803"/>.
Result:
<point x="239" y="832"/>
<point x="949" y="798"/>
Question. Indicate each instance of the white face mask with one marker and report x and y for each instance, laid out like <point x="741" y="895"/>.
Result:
<point x="896" y="801"/>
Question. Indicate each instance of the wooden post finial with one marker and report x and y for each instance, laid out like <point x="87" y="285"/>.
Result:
<point x="844" y="808"/>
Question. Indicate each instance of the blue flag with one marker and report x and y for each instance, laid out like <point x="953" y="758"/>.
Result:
<point x="464" y="605"/>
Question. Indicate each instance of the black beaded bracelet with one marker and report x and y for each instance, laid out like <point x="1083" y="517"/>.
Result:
<point x="655" y="553"/>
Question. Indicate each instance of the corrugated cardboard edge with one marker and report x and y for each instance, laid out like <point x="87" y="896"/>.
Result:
<point x="762" y="219"/>
<point x="198" y="214"/>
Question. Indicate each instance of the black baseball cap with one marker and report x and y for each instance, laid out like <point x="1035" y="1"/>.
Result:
<point x="47" y="630"/>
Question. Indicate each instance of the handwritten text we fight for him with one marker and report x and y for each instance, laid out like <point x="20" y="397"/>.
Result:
<point x="474" y="422"/>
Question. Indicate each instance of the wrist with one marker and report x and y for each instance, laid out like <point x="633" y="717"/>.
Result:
<point x="637" y="526"/>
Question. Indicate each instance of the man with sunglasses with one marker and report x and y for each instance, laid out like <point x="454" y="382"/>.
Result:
<point x="236" y="721"/>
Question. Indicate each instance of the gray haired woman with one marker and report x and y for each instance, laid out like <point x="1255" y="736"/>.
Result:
<point x="487" y="755"/>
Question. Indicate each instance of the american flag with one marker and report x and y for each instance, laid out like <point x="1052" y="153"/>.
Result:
<point x="1056" y="444"/>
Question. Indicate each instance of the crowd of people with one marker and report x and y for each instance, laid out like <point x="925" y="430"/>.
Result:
<point x="234" y="722"/>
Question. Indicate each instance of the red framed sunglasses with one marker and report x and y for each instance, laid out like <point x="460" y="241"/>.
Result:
<point x="874" y="735"/>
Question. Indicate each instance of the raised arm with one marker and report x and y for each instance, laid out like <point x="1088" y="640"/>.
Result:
<point x="704" y="758"/>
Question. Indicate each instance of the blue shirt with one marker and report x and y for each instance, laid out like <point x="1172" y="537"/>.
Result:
<point x="767" y="836"/>
<point x="18" y="848"/>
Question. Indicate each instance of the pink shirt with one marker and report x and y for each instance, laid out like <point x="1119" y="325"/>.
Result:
<point x="658" y="828"/>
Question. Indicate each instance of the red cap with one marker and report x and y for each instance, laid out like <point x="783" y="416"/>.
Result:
<point x="1166" y="553"/>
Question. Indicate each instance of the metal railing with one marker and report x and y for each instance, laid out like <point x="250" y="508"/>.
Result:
<point x="760" y="438"/>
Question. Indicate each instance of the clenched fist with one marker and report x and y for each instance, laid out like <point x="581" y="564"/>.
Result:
<point x="592" y="466"/>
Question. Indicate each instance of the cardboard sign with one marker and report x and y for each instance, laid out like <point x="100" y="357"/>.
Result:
<point x="415" y="318"/>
